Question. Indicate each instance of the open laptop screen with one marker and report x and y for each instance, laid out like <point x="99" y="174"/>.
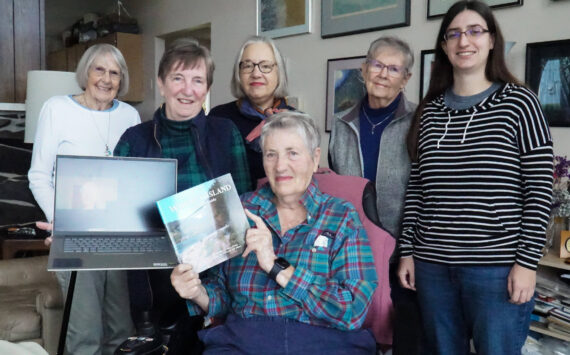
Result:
<point x="111" y="194"/>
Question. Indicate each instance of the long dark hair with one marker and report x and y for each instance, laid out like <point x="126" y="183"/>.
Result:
<point x="442" y="72"/>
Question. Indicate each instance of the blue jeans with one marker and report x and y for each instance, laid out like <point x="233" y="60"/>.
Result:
<point x="463" y="302"/>
<point x="283" y="336"/>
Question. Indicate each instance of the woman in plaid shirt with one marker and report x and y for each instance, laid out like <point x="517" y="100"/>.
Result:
<point x="306" y="277"/>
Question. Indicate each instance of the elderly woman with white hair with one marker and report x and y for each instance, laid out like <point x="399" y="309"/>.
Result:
<point x="369" y="140"/>
<point x="89" y="123"/>
<point x="259" y="82"/>
<point x="306" y="278"/>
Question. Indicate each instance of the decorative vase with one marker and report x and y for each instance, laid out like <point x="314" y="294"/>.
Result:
<point x="556" y="225"/>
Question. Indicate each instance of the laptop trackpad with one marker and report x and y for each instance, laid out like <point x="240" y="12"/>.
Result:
<point x="66" y="263"/>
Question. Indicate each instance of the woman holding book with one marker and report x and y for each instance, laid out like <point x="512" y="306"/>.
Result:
<point x="306" y="277"/>
<point x="479" y="195"/>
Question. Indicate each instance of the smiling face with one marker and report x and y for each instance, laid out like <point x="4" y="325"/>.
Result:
<point x="468" y="54"/>
<point x="184" y="91"/>
<point x="259" y="87"/>
<point x="288" y="163"/>
<point x="103" y="81"/>
<point x="383" y="88"/>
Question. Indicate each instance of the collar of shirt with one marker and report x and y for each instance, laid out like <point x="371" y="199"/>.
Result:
<point x="267" y="210"/>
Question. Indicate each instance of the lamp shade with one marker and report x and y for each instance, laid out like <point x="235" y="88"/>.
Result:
<point x="43" y="84"/>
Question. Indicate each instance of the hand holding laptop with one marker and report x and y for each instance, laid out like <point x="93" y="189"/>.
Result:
<point x="48" y="227"/>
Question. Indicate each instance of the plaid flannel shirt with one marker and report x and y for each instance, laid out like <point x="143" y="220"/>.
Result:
<point x="332" y="285"/>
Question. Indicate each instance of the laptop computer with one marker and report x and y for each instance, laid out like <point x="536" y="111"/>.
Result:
<point x="105" y="214"/>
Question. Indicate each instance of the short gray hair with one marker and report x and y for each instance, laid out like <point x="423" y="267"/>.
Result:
<point x="92" y="53"/>
<point x="281" y="90"/>
<point x="186" y="52"/>
<point x="300" y="122"/>
<point x="394" y="43"/>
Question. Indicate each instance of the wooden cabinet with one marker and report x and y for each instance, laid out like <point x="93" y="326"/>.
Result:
<point x="21" y="46"/>
<point x="129" y="44"/>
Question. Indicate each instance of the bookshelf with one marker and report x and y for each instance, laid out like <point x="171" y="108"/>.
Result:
<point x="551" y="260"/>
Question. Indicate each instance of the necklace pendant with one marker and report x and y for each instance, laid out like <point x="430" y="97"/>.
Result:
<point x="107" y="151"/>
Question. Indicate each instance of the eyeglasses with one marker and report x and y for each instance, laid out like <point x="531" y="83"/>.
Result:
<point x="376" y="67"/>
<point x="472" y="32"/>
<point x="248" y="67"/>
<point x="100" y="72"/>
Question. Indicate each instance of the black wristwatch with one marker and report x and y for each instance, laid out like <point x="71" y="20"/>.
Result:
<point x="280" y="265"/>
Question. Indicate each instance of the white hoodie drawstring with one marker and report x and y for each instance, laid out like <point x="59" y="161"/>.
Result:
<point x="466" y="127"/>
<point x="445" y="132"/>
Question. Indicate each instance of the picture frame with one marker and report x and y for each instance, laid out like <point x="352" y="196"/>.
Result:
<point x="427" y="58"/>
<point x="438" y="8"/>
<point x="345" y="86"/>
<point x="547" y="75"/>
<point x="346" y="17"/>
<point x="281" y="18"/>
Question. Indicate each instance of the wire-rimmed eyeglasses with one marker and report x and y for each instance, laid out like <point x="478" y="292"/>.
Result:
<point x="471" y="32"/>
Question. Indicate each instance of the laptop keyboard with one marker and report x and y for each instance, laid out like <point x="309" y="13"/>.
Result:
<point x="116" y="244"/>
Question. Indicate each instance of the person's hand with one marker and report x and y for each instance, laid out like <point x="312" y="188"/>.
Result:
<point x="259" y="240"/>
<point x="48" y="227"/>
<point x="407" y="273"/>
<point x="186" y="282"/>
<point x="520" y="284"/>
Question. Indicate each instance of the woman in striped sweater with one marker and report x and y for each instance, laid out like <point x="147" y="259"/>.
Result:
<point x="479" y="194"/>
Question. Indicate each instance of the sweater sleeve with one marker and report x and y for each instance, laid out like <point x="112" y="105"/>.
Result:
<point x="536" y="159"/>
<point x="44" y="154"/>
<point x="412" y="208"/>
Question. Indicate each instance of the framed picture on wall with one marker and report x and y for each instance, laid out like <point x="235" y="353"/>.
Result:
<point x="548" y="75"/>
<point x="280" y="18"/>
<point x="437" y="8"/>
<point x="345" y="86"/>
<point x="428" y="56"/>
<point x="345" y="17"/>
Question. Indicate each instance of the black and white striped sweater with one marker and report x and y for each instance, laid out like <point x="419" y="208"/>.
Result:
<point x="481" y="191"/>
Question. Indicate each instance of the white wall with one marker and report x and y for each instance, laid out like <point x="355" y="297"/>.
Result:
<point x="232" y="21"/>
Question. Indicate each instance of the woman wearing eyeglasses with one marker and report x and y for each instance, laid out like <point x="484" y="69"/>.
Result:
<point x="479" y="194"/>
<point x="368" y="140"/>
<point x="259" y="82"/>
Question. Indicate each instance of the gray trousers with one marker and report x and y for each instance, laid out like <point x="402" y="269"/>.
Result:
<point x="100" y="317"/>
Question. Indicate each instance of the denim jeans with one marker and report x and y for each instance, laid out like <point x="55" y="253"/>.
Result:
<point x="463" y="302"/>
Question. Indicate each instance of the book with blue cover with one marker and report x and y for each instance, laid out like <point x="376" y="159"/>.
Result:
<point x="206" y="223"/>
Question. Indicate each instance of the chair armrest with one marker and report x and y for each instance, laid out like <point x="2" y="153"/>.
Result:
<point x="49" y="296"/>
<point x="24" y="271"/>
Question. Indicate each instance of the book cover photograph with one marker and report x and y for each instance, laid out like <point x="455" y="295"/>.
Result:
<point x="206" y="223"/>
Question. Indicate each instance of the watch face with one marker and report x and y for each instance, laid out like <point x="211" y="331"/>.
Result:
<point x="283" y="264"/>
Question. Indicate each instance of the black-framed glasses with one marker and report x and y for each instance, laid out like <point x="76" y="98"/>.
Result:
<point x="248" y="67"/>
<point x="376" y="67"/>
<point x="471" y="32"/>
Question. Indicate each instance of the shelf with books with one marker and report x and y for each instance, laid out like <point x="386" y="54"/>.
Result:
<point x="551" y="259"/>
<point x="541" y="328"/>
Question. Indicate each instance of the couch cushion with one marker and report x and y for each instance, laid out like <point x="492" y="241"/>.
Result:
<point x="18" y="317"/>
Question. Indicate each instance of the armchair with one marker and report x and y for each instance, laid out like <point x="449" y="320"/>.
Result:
<point x="31" y="303"/>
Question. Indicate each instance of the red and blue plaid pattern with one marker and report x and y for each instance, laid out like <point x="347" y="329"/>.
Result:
<point x="332" y="285"/>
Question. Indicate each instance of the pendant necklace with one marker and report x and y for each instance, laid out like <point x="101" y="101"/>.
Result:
<point x="374" y="125"/>
<point x="108" y="152"/>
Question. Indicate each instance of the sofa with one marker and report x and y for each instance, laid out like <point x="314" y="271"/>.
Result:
<point x="31" y="302"/>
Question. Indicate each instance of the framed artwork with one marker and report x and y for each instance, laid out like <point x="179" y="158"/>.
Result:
<point x="437" y="8"/>
<point x="345" y="86"/>
<point x="345" y="17"/>
<point x="280" y="18"/>
<point x="548" y="75"/>
<point x="428" y="57"/>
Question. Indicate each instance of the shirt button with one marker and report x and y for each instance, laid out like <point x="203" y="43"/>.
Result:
<point x="269" y="298"/>
<point x="314" y="250"/>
